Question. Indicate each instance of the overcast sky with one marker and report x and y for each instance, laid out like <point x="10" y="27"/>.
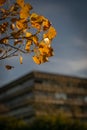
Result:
<point x="69" y="17"/>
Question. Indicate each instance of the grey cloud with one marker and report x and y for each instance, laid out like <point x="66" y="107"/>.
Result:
<point x="83" y="72"/>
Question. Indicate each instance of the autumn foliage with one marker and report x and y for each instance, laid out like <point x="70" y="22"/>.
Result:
<point x="24" y="31"/>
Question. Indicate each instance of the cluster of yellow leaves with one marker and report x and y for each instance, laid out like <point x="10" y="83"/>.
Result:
<point x="25" y="9"/>
<point x="50" y="34"/>
<point x="44" y="51"/>
<point x="36" y="20"/>
<point x="39" y="22"/>
<point x="40" y="59"/>
<point x="31" y="32"/>
<point x="21" y="24"/>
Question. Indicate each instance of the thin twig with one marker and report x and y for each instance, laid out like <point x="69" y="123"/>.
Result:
<point x="15" y="48"/>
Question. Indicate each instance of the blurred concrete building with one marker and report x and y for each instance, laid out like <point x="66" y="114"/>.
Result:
<point x="40" y="93"/>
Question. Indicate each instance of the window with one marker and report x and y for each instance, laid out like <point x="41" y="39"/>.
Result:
<point x="19" y="87"/>
<point x="85" y="98"/>
<point x="60" y="96"/>
<point x="38" y="80"/>
<point x="69" y="84"/>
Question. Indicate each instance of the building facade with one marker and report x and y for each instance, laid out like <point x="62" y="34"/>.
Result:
<point x="40" y="93"/>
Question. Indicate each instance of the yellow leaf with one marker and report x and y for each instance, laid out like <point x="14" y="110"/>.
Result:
<point x="2" y="2"/>
<point x="33" y="17"/>
<point x="28" y="44"/>
<point x="36" y="20"/>
<point x="12" y="26"/>
<point x="36" y="60"/>
<point x="20" y="2"/>
<point x="46" y="24"/>
<point x="28" y="34"/>
<point x="27" y="7"/>
<point x="9" y="67"/>
<point x="42" y="44"/>
<point x="51" y="33"/>
<point x="4" y="40"/>
<point x="47" y="41"/>
<point x="40" y="59"/>
<point x="43" y="58"/>
<point x="21" y="59"/>
<point x="2" y="10"/>
<point x="3" y="27"/>
<point x="23" y="14"/>
<point x="21" y="24"/>
<point x="35" y="39"/>
<point x="36" y="25"/>
<point x="25" y="11"/>
<point x="45" y="50"/>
